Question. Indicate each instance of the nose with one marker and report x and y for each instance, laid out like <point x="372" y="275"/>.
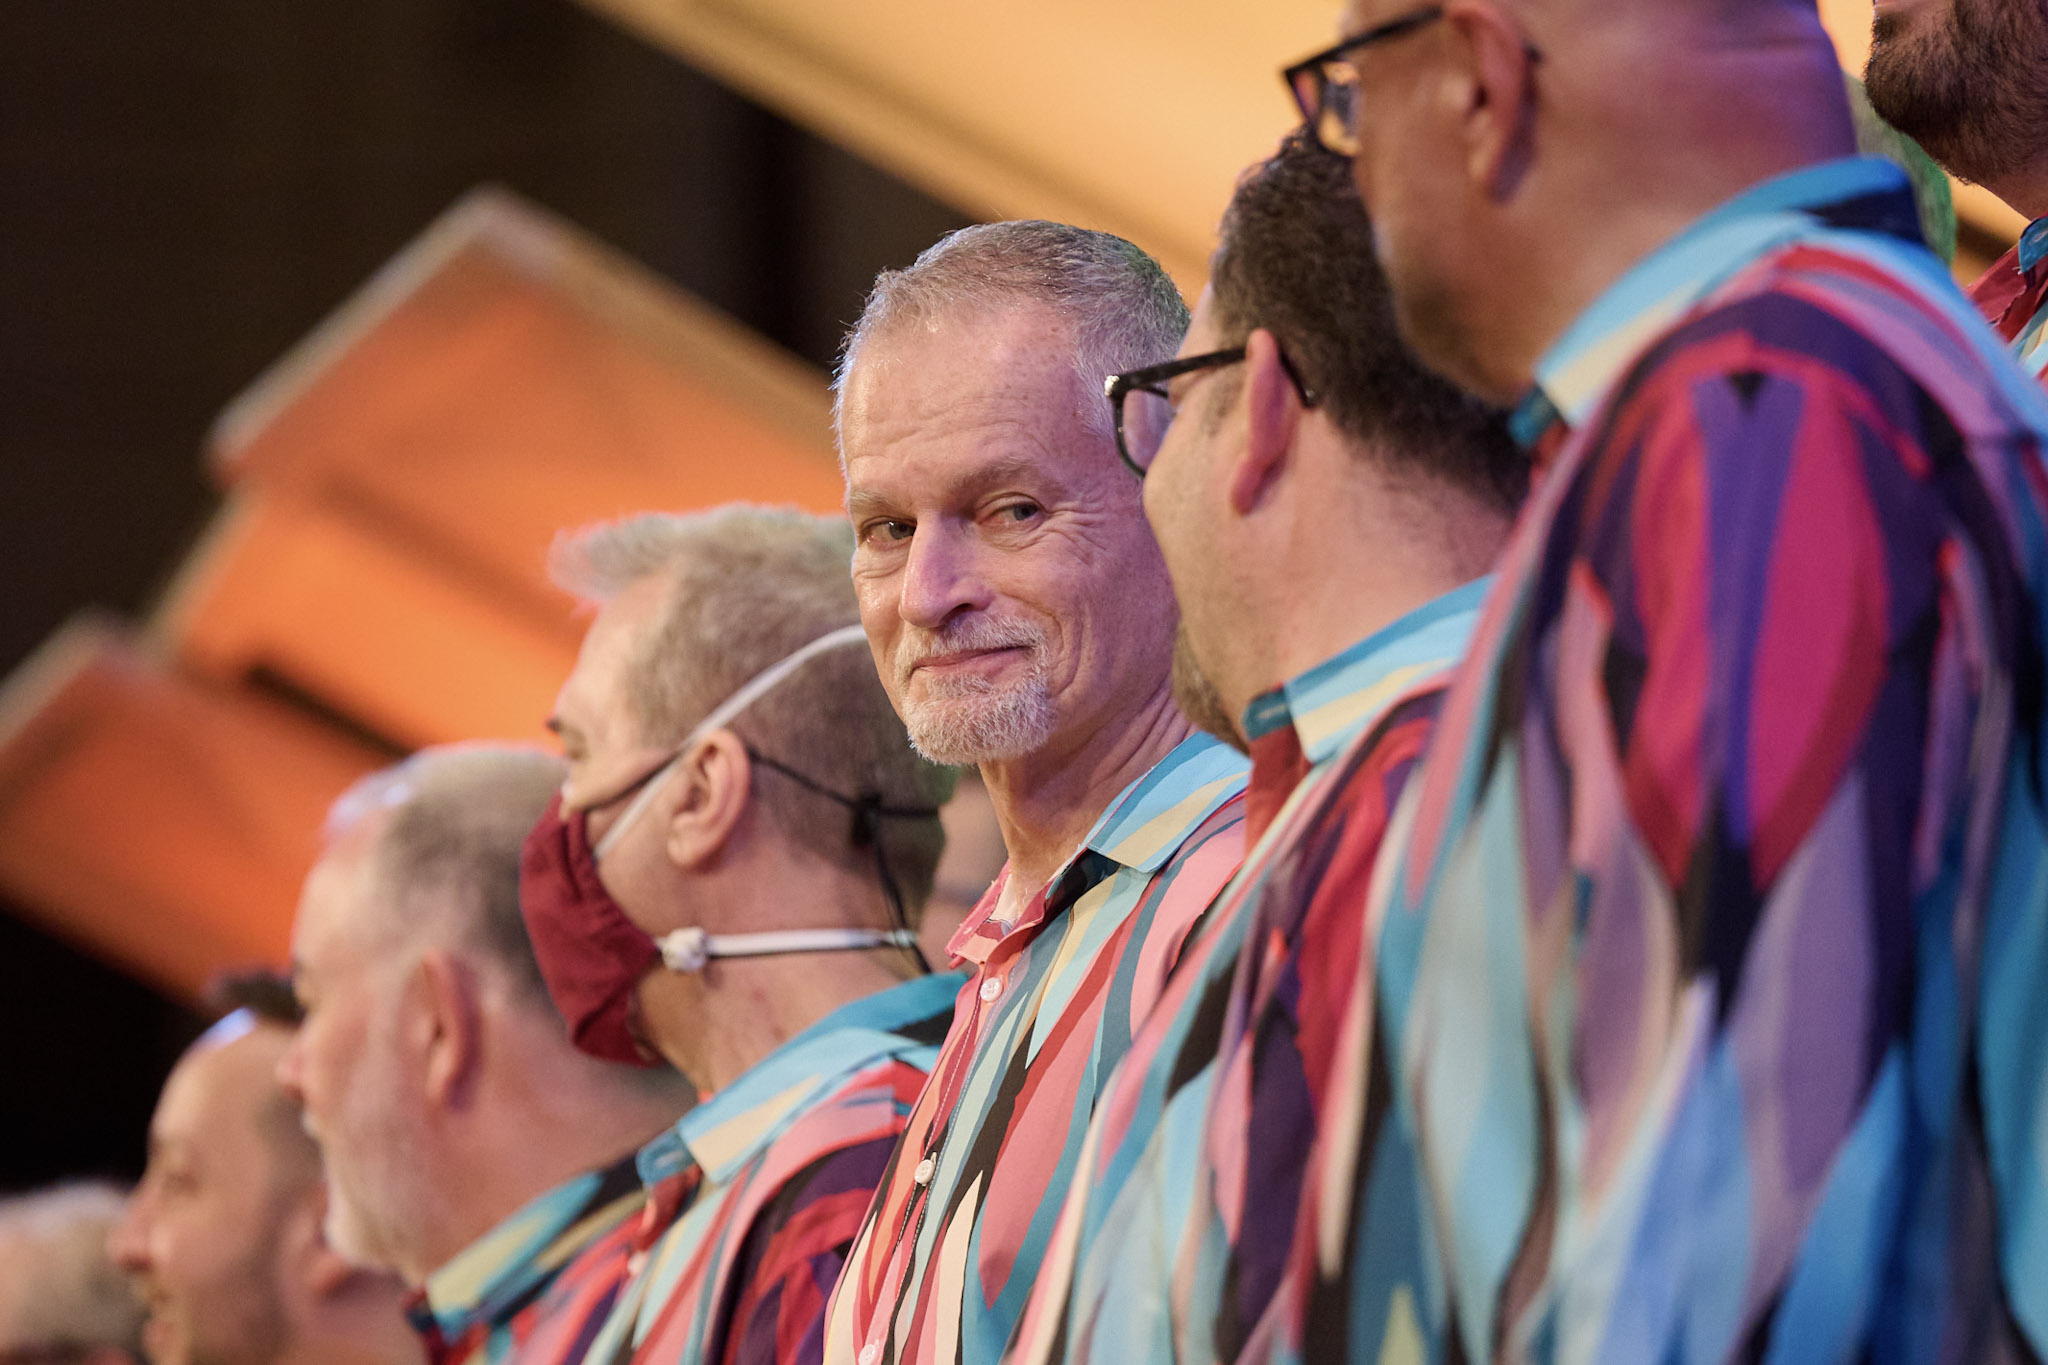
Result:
<point x="940" y="577"/>
<point x="128" y="1239"/>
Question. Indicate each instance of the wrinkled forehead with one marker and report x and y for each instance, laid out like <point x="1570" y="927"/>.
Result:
<point x="931" y="411"/>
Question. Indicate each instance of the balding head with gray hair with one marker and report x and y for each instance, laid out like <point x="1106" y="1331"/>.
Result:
<point x="447" y="826"/>
<point x="745" y="587"/>
<point x="1125" y="311"/>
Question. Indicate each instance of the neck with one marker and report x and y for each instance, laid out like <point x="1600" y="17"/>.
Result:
<point x="360" y="1325"/>
<point x="542" y="1115"/>
<point x="1350" y="556"/>
<point x="1699" y="121"/>
<point x="716" y="1025"/>
<point x="1047" y="801"/>
<point x="2025" y="190"/>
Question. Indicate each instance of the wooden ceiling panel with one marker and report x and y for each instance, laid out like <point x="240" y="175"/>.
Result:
<point x="1132" y="115"/>
<point x="160" y="822"/>
<point x="362" y="620"/>
<point x="506" y="378"/>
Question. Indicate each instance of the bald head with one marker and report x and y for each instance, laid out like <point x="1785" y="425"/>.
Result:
<point x="1491" y="163"/>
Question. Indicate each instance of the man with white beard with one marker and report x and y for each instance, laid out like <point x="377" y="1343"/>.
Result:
<point x="1022" y="620"/>
<point x="469" y="1146"/>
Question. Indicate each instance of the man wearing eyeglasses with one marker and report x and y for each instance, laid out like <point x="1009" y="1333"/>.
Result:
<point x="1022" y="619"/>
<point x="1328" y="510"/>
<point x="1710" y="960"/>
<point x="1969" y="79"/>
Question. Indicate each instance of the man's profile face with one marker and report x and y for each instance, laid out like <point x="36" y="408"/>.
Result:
<point x="201" y="1233"/>
<point x="1011" y="590"/>
<point x="344" y="1065"/>
<point x="1186" y="498"/>
<point x="594" y="716"/>
<point x="1967" y="79"/>
<point x="1429" y="218"/>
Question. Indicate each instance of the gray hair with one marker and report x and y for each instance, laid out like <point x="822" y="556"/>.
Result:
<point x="746" y="587"/>
<point x="58" y="1286"/>
<point x="454" y="820"/>
<point x="1124" y="308"/>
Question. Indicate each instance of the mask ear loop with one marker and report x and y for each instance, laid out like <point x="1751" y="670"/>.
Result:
<point x="750" y="692"/>
<point x="868" y="814"/>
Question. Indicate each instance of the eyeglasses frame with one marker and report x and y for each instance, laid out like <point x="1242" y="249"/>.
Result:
<point x="1312" y="69"/>
<point x="1153" y="378"/>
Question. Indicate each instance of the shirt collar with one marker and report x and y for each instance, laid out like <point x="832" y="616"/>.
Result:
<point x="1573" y="375"/>
<point x="2033" y="246"/>
<point x="1332" y="703"/>
<point x="493" y="1277"/>
<point x="729" y="1129"/>
<point x="1141" y="829"/>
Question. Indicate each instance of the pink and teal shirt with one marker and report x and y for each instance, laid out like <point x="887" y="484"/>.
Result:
<point x="755" y="1196"/>
<point x="965" y="1212"/>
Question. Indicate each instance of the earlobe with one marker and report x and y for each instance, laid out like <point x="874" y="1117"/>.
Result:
<point x="1272" y="412"/>
<point x="1499" y="101"/>
<point x="322" y="1271"/>
<point x="716" y="782"/>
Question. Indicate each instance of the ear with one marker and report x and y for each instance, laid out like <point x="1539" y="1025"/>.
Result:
<point x="451" y="1026"/>
<point x="1272" y="413"/>
<point x="715" y="783"/>
<point x="1494" y="92"/>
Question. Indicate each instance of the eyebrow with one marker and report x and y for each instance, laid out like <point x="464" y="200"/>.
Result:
<point x="976" y="481"/>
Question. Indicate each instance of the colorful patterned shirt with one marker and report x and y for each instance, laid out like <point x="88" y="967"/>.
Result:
<point x="1712" y="939"/>
<point x="1182" y="1209"/>
<point x="954" y="1240"/>
<point x="756" y="1195"/>
<point x="534" y="1289"/>
<point x="2013" y="294"/>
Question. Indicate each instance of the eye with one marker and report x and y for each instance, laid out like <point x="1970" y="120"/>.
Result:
<point x="886" y="531"/>
<point x="1019" y="512"/>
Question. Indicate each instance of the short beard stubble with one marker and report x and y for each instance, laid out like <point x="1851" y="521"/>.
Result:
<point x="1971" y="86"/>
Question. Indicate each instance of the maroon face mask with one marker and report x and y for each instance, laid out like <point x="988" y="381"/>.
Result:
<point x="590" y="954"/>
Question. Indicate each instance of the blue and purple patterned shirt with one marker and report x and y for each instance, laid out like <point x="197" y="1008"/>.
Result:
<point x="1710" y="1012"/>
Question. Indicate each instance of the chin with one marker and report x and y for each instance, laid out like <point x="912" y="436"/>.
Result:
<point x="345" y="1234"/>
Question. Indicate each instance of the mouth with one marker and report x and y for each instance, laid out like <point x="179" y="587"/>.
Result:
<point x="157" y="1333"/>
<point x="964" y="659"/>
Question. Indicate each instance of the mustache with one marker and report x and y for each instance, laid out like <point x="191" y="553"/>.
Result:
<point x="974" y="634"/>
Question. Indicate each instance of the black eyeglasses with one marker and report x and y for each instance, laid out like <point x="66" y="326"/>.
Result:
<point x="1142" y="410"/>
<point x="1326" y="86"/>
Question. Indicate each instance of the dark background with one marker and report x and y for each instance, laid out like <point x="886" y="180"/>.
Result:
<point x="186" y="188"/>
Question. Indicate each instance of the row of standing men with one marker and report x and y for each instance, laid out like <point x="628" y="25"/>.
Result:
<point x="1516" y="729"/>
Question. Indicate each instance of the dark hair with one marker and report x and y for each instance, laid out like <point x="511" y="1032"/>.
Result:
<point x="266" y="994"/>
<point x="1296" y="258"/>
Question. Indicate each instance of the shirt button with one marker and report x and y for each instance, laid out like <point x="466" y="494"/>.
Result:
<point x="923" y="1174"/>
<point x="990" y="989"/>
<point x="870" y="1353"/>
